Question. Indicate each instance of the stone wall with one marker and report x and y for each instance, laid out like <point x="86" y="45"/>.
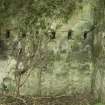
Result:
<point x="71" y="68"/>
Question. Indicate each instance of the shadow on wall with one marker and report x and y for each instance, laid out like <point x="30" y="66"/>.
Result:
<point x="3" y="50"/>
<point x="4" y="44"/>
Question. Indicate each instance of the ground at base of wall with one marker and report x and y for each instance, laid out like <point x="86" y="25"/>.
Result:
<point x="78" y="99"/>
